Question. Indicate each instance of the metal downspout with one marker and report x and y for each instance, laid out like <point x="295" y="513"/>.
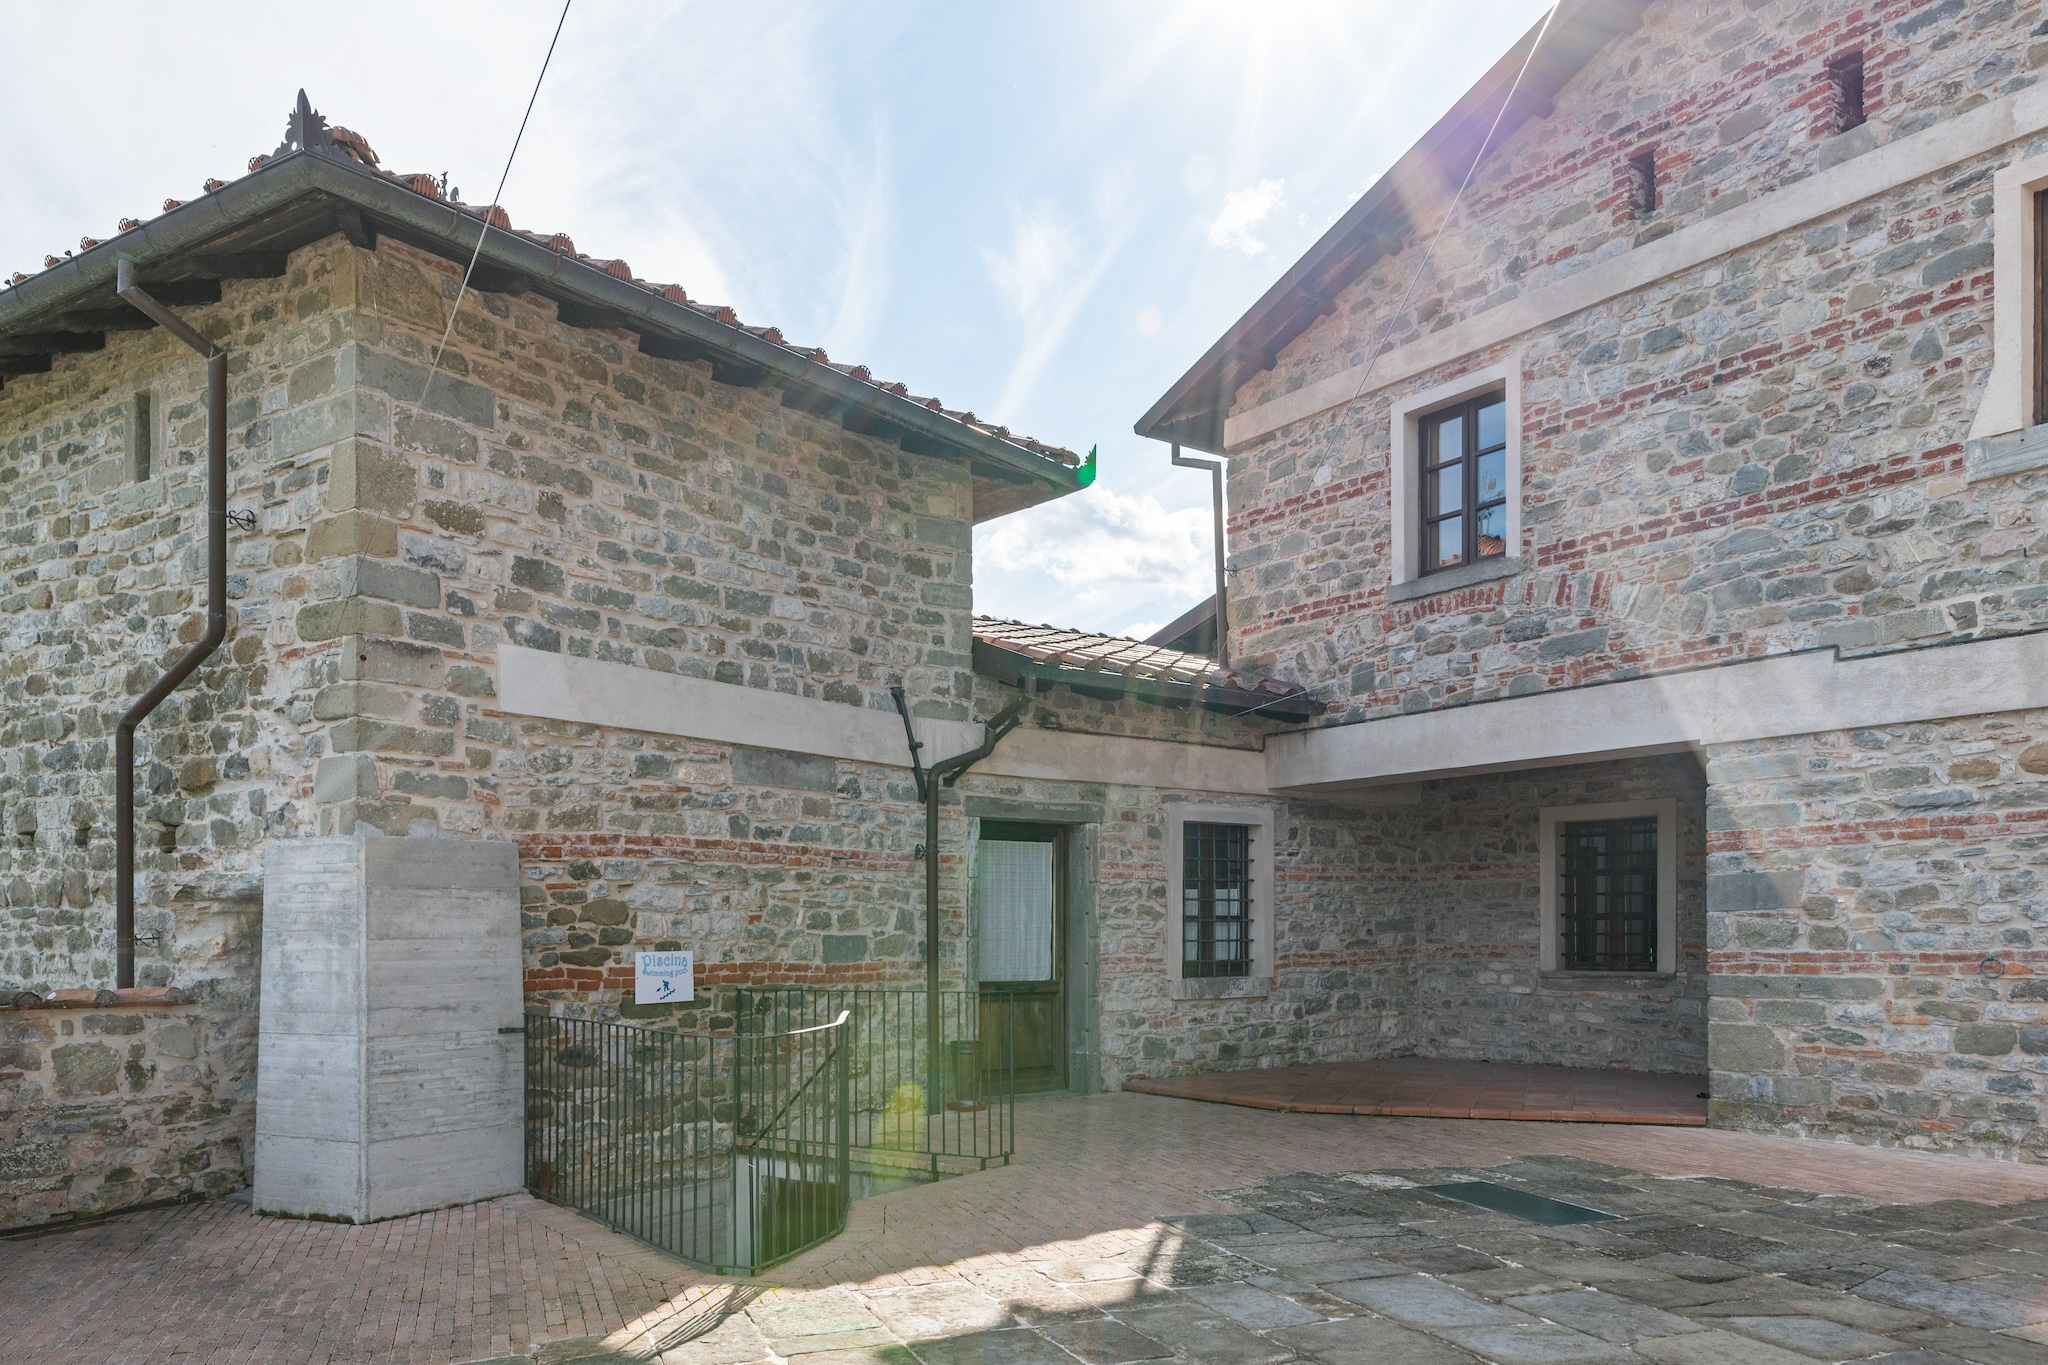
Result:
<point x="216" y="613"/>
<point x="947" y="771"/>
<point x="1215" y="468"/>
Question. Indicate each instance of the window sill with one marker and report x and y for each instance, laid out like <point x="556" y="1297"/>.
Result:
<point x="1222" y="987"/>
<point x="1995" y="457"/>
<point x="1606" y="981"/>
<point x="1464" y="576"/>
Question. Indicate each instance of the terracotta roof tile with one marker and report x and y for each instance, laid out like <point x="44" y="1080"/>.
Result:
<point x="306" y="128"/>
<point x="1121" y="657"/>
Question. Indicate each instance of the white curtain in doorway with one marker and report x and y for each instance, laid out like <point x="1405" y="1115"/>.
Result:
<point x="1013" y="900"/>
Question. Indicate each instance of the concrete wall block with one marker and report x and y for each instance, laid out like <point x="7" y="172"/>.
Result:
<point x="391" y="1000"/>
<point x="436" y="1170"/>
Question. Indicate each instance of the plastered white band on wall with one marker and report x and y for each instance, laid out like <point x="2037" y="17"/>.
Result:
<point x="1795" y="694"/>
<point x="534" y="682"/>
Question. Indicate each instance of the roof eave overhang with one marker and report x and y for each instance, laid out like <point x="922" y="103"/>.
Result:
<point x="1193" y="410"/>
<point x="1006" y="477"/>
<point x="1010" y="666"/>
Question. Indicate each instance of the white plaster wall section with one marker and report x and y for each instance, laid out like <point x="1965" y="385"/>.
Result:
<point x="534" y="682"/>
<point x="1406" y="461"/>
<point x="1789" y="695"/>
<point x="537" y="683"/>
<point x="1665" y="809"/>
<point x="1058" y="756"/>
<point x="1876" y="172"/>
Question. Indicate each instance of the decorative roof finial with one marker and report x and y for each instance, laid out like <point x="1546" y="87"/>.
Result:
<point x="305" y="131"/>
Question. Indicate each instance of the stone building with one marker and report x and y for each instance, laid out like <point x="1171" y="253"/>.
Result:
<point x="1694" y="473"/>
<point x="1634" y="622"/>
<point x="608" y="580"/>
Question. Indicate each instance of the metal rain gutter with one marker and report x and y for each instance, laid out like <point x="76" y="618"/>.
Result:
<point x="216" y="613"/>
<point x="948" y="771"/>
<point x="1215" y="468"/>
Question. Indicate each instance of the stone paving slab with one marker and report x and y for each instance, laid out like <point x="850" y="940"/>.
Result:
<point x="1318" y="1250"/>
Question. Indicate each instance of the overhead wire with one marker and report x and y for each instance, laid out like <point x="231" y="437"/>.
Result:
<point x="497" y="197"/>
<point x="1451" y="210"/>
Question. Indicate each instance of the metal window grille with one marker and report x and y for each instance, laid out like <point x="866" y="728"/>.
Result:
<point x="1216" y="895"/>
<point x="1607" y="894"/>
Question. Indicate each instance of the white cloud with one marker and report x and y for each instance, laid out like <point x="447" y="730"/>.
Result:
<point x="1242" y="211"/>
<point x="1045" y="277"/>
<point x="1101" y="561"/>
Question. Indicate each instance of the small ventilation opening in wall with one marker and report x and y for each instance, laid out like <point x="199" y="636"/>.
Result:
<point x="139" y="453"/>
<point x="1845" y="92"/>
<point x="1641" y="174"/>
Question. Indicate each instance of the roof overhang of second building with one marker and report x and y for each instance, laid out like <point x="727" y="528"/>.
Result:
<point x="1401" y="203"/>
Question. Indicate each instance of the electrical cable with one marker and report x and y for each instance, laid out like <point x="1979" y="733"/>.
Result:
<point x="496" y="199"/>
<point x="1451" y="210"/>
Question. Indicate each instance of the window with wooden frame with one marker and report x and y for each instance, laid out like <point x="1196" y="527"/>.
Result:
<point x="1464" y="482"/>
<point x="1607" y="884"/>
<point x="1216" y="885"/>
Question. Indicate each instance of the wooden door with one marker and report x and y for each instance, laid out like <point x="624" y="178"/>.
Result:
<point x="1020" y="906"/>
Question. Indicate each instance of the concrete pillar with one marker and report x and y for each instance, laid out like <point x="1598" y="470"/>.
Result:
<point x="390" y="1068"/>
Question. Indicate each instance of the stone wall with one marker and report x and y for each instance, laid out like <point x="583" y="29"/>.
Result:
<point x="105" y="584"/>
<point x="106" y="1107"/>
<point x="1405" y="924"/>
<point x="560" y="490"/>
<point x="1876" y="901"/>
<point x="1475" y="904"/>
<point x="1760" y="454"/>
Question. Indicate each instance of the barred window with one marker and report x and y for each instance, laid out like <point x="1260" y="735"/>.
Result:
<point x="1607" y="895"/>
<point x="1216" y="900"/>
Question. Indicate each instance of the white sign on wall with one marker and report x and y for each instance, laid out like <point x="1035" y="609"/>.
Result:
<point x="662" y="978"/>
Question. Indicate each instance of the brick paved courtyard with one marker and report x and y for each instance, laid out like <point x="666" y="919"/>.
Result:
<point x="1136" y="1228"/>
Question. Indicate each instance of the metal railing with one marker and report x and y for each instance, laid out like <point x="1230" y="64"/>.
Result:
<point x="730" y="1150"/>
<point x="959" y="1106"/>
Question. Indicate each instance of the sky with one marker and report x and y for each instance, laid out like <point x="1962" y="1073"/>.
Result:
<point x="1043" y="213"/>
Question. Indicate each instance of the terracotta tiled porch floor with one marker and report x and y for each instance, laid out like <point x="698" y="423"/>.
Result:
<point x="1425" y="1088"/>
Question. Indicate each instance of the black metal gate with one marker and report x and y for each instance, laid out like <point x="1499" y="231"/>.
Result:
<point x="731" y="1151"/>
<point x="953" y="1110"/>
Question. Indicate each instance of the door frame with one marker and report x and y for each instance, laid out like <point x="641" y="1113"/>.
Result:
<point x="1060" y="837"/>
<point x="1082" y="821"/>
